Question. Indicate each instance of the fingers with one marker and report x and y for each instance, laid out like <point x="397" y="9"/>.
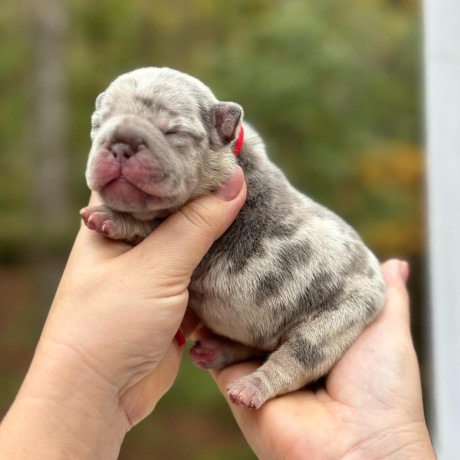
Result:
<point x="247" y="420"/>
<point x="91" y="248"/>
<point x="395" y="271"/>
<point x="228" y="374"/>
<point x="190" y="322"/>
<point x="139" y="400"/>
<point x="182" y="240"/>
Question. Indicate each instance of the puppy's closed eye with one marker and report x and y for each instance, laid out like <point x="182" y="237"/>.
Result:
<point x="174" y="131"/>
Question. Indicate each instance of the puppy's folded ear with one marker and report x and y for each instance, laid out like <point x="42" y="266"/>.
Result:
<point x="95" y="119"/>
<point x="226" y="117"/>
<point x="99" y="99"/>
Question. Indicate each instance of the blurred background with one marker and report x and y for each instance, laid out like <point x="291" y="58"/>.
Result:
<point x="332" y="86"/>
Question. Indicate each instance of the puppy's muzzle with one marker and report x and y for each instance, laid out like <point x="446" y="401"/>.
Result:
<point x="123" y="151"/>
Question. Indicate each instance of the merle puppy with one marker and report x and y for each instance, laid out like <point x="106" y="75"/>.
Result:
<point x="289" y="279"/>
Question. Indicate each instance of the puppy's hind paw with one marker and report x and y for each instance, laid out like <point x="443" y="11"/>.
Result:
<point x="206" y="354"/>
<point x="248" y="392"/>
<point x="215" y="352"/>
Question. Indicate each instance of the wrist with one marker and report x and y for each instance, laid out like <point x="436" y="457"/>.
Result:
<point x="64" y="409"/>
<point x="408" y="441"/>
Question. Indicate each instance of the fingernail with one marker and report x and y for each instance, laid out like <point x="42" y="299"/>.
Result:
<point x="180" y="338"/>
<point x="232" y="186"/>
<point x="404" y="270"/>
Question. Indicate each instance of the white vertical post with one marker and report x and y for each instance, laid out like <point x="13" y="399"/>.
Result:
<point x="442" y="101"/>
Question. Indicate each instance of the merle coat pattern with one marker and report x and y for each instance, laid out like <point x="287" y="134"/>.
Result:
<point x="289" y="279"/>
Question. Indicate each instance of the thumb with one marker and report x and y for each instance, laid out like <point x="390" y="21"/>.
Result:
<point x="396" y="310"/>
<point x="181" y="241"/>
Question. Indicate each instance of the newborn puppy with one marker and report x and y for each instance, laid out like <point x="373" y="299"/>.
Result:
<point x="288" y="280"/>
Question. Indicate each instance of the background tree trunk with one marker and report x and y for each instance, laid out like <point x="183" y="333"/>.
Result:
<point x="48" y="137"/>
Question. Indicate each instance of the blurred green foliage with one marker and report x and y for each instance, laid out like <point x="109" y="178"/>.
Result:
<point x="332" y="86"/>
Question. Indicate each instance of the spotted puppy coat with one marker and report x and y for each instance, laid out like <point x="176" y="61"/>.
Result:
<point x="288" y="280"/>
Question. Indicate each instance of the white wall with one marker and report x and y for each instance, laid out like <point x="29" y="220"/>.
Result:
<point x="442" y="99"/>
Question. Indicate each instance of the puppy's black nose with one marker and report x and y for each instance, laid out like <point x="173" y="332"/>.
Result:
<point x="122" y="151"/>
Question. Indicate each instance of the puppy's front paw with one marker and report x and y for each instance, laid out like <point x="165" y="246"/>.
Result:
<point x="101" y="220"/>
<point x="248" y="392"/>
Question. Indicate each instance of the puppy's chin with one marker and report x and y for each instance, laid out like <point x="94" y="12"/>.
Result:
<point x="124" y="196"/>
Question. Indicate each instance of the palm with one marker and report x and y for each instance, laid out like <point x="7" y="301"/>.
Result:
<point x="298" y="436"/>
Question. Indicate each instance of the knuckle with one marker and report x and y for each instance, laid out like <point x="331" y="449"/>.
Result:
<point x="198" y="216"/>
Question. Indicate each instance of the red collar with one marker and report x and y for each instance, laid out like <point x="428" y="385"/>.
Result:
<point x="239" y="142"/>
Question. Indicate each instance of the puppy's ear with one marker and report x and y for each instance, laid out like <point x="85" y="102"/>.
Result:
<point x="226" y="117"/>
<point x="95" y="119"/>
<point x="99" y="99"/>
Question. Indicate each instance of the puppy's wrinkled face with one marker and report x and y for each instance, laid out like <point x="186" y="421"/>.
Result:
<point x="160" y="138"/>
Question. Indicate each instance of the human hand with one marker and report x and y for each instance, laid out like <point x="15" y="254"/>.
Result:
<point x="369" y="407"/>
<point x="107" y="352"/>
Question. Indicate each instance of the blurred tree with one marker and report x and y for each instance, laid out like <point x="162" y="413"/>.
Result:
<point x="332" y="86"/>
<point x="48" y="23"/>
<point x="47" y="142"/>
<point x="326" y="81"/>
